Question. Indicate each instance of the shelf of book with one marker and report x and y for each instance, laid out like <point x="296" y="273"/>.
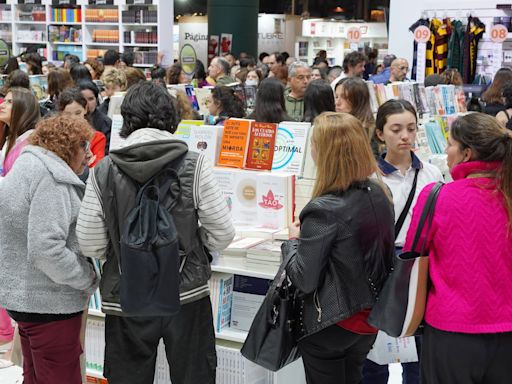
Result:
<point x="232" y="335"/>
<point x="141" y="45"/>
<point x="30" y="22"/>
<point x="96" y="44"/>
<point x="237" y="267"/>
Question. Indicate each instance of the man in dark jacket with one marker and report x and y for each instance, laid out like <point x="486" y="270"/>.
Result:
<point x="203" y="222"/>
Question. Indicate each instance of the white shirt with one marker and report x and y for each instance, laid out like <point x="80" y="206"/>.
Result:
<point x="336" y="80"/>
<point x="400" y="186"/>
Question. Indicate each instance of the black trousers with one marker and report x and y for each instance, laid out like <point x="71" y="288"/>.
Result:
<point x="132" y="342"/>
<point x="335" y="356"/>
<point x="459" y="358"/>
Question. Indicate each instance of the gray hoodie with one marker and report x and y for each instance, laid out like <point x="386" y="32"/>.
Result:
<point x="42" y="270"/>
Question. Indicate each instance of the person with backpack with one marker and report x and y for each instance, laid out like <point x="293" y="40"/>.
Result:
<point x="405" y="175"/>
<point x="152" y="211"/>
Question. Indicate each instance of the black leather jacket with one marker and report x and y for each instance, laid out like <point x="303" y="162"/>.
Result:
<point x="343" y="256"/>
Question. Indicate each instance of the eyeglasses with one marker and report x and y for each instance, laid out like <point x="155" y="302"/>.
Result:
<point x="86" y="146"/>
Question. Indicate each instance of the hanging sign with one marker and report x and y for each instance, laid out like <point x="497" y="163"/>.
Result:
<point x="499" y="33"/>
<point x="354" y="34"/>
<point x="188" y="59"/>
<point x="422" y="34"/>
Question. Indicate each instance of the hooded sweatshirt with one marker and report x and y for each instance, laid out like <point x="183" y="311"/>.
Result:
<point x="43" y="271"/>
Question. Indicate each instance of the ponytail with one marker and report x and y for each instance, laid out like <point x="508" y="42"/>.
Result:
<point x="505" y="174"/>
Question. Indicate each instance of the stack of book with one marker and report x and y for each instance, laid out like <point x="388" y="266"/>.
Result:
<point x="267" y="253"/>
<point x="105" y="36"/>
<point x="67" y="15"/>
<point x="102" y="15"/>
<point x="240" y="247"/>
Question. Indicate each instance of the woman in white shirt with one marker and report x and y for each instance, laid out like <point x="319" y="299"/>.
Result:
<point x="405" y="175"/>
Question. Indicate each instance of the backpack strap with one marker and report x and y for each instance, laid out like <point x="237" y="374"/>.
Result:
<point x="400" y="222"/>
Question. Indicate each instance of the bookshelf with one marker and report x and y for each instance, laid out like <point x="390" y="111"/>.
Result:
<point x="86" y="28"/>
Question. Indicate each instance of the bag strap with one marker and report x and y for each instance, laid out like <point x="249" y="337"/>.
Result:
<point x="426" y="214"/>
<point x="400" y="222"/>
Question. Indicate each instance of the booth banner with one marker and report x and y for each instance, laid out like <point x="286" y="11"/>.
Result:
<point x="271" y="33"/>
<point x="196" y="35"/>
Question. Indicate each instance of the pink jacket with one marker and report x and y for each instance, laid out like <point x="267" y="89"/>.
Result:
<point x="14" y="153"/>
<point x="470" y="254"/>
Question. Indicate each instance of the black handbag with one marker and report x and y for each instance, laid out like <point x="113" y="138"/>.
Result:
<point x="401" y="304"/>
<point x="271" y="341"/>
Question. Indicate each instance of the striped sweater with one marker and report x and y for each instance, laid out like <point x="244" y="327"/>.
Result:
<point x="216" y="229"/>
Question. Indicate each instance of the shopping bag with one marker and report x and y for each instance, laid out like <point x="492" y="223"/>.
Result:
<point x="388" y="350"/>
<point x="400" y="306"/>
<point x="271" y="341"/>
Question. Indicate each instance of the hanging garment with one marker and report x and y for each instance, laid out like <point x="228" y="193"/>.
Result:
<point x="442" y="32"/>
<point x="412" y="28"/>
<point x="474" y="33"/>
<point x="429" y="55"/>
<point x="456" y="47"/>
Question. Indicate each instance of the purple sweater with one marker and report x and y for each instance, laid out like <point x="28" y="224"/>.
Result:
<point x="470" y="254"/>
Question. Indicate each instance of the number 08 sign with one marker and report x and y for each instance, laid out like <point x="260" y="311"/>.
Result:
<point x="422" y="34"/>
<point x="499" y="33"/>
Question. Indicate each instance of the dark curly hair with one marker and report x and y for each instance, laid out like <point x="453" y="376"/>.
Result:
<point x="148" y="105"/>
<point x="63" y="135"/>
<point x="229" y="103"/>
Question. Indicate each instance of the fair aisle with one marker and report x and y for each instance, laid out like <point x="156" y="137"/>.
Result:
<point x="13" y="375"/>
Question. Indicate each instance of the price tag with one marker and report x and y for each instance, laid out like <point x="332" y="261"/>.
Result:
<point x="499" y="33"/>
<point x="353" y="35"/>
<point x="422" y="34"/>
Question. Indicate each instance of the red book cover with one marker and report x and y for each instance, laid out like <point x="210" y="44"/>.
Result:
<point x="260" y="151"/>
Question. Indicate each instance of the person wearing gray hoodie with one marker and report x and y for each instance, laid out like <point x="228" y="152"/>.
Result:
<point x="46" y="281"/>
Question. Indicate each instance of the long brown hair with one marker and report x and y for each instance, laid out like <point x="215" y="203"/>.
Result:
<point x="343" y="154"/>
<point x="58" y="80"/>
<point x="356" y="92"/>
<point x="494" y="93"/>
<point x="24" y="115"/>
<point x="489" y="141"/>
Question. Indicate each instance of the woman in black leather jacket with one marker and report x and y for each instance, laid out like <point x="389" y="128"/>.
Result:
<point x="343" y="253"/>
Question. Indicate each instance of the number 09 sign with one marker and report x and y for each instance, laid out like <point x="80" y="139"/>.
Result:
<point x="499" y="33"/>
<point x="422" y="34"/>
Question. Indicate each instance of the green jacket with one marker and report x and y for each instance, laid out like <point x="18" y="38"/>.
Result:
<point x="294" y="107"/>
<point x="225" y="80"/>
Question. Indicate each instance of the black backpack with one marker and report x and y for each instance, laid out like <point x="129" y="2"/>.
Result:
<point x="150" y="260"/>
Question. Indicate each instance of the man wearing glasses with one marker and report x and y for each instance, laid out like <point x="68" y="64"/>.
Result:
<point x="399" y="69"/>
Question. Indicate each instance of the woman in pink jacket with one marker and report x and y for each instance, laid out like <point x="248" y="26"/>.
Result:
<point x="19" y="113"/>
<point x="468" y="332"/>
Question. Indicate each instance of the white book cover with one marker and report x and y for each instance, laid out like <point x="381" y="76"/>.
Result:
<point x="257" y="199"/>
<point x="116" y="141"/>
<point x="309" y="164"/>
<point x="203" y="139"/>
<point x="290" y="147"/>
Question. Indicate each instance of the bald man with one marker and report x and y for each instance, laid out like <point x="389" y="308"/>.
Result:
<point x="399" y="69"/>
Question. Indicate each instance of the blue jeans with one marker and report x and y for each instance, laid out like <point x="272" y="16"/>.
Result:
<point x="374" y="373"/>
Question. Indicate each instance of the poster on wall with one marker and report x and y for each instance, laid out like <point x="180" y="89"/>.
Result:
<point x="196" y="35"/>
<point x="213" y="47"/>
<point x="226" y="43"/>
<point x="271" y="33"/>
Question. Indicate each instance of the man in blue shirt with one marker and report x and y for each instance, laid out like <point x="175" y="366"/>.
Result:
<point x="383" y="77"/>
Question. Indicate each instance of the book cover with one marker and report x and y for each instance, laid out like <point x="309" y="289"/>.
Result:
<point x="290" y="147"/>
<point x="225" y="302"/>
<point x="205" y="139"/>
<point x="233" y="147"/>
<point x="116" y="141"/>
<point x="275" y="200"/>
<point x="260" y="151"/>
<point x="184" y="129"/>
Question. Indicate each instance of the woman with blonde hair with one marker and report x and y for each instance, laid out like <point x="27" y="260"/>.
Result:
<point x="339" y="259"/>
<point x="468" y="317"/>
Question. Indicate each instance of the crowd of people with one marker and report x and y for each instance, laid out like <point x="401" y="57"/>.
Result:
<point x="64" y="198"/>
